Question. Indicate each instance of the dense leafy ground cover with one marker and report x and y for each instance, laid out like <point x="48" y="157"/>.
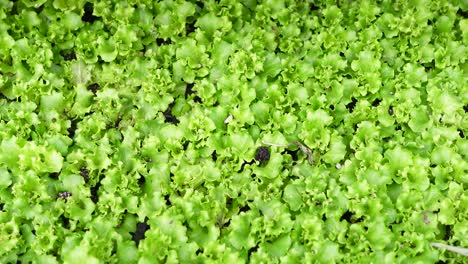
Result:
<point x="226" y="132"/>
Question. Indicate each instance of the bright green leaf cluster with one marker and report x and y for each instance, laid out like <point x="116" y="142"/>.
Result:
<point x="275" y="131"/>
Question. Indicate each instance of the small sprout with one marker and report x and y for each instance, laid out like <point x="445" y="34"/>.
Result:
<point x="64" y="195"/>
<point x="228" y="119"/>
<point x="263" y="155"/>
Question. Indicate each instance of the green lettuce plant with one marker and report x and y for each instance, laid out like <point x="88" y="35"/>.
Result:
<point x="130" y="131"/>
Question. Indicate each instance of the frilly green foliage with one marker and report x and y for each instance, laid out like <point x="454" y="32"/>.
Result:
<point x="150" y="113"/>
